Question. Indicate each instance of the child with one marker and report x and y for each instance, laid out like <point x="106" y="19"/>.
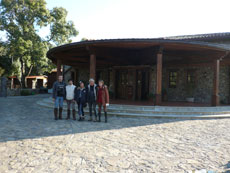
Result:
<point x="70" y="99"/>
<point x="81" y="99"/>
<point x="102" y="99"/>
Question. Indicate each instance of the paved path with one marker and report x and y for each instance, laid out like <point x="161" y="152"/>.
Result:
<point x="31" y="141"/>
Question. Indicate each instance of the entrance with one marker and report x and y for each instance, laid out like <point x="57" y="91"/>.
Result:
<point x="132" y="84"/>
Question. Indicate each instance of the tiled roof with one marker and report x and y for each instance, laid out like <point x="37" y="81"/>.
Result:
<point x="201" y="37"/>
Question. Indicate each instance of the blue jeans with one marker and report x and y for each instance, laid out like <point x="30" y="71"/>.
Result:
<point x="80" y="109"/>
<point x="59" y="102"/>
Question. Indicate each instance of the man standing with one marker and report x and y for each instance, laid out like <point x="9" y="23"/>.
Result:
<point x="70" y="99"/>
<point x="59" y="94"/>
<point x="91" y="98"/>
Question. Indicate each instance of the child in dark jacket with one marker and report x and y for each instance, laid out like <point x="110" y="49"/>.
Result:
<point x="81" y="99"/>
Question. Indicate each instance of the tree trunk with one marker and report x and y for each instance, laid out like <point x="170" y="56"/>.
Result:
<point x="23" y="84"/>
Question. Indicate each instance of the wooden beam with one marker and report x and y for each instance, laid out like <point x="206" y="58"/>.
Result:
<point x="215" y="91"/>
<point x="159" y="79"/>
<point x="92" y="66"/>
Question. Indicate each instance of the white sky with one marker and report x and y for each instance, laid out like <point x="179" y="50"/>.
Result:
<point x="104" y="19"/>
<point x="99" y="19"/>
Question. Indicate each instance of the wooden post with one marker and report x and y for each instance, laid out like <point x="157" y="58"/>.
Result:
<point x="215" y="93"/>
<point x="92" y="66"/>
<point x="159" y="79"/>
<point x="58" y="68"/>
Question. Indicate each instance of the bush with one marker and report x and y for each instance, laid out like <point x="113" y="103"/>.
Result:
<point x="25" y="92"/>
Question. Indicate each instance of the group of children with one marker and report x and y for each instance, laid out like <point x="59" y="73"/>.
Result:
<point x="92" y="95"/>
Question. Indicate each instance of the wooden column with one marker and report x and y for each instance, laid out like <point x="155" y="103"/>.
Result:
<point x="92" y="66"/>
<point x="58" y="67"/>
<point x="215" y="91"/>
<point x="159" y="79"/>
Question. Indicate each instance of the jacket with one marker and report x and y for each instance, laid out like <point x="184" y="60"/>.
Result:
<point x="70" y="92"/>
<point x="104" y="95"/>
<point x="59" y="87"/>
<point x="88" y="93"/>
<point x="83" y="97"/>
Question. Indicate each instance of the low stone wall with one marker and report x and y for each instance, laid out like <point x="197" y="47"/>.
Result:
<point x="19" y="91"/>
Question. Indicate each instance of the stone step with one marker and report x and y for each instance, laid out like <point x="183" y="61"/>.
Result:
<point x="163" y="108"/>
<point x="139" y="111"/>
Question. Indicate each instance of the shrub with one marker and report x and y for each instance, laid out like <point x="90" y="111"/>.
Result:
<point x="25" y="92"/>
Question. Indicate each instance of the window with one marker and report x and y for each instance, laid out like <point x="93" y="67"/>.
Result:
<point x="172" y="79"/>
<point x="190" y="77"/>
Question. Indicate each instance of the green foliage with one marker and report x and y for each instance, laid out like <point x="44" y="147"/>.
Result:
<point x="26" y="93"/>
<point x="22" y="20"/>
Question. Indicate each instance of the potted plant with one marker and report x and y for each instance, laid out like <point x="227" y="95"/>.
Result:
<point x="190" y="92"/>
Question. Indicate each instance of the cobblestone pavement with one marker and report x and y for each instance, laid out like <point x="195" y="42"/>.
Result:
<point x="31" y="141"/>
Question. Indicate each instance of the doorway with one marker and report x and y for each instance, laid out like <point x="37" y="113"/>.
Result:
<point x="132" y="84"/>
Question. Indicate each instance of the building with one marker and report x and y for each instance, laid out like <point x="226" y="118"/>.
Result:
<point x="32" y="82"/>
<point x="194" y="68"/>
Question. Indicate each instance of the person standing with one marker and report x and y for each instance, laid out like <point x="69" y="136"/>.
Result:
<point x="70" y="88"/>
<point x="59" y="94"/>
<point x="81" y="99"/>
<point x="91" y="98"/>
<point x="102" y="99"/>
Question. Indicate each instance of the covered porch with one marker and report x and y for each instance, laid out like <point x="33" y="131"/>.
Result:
<point x="147" y="71"/>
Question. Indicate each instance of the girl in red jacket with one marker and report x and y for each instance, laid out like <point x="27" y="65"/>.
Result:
<point x="102" y="99"/>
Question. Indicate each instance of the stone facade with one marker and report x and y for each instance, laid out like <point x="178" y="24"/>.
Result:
<point x="203" y="82"/>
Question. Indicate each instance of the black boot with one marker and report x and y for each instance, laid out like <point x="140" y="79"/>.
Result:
<point x="56" y="113"/>
<point x="99" y="116"/>
<point x="60" y="113"/>
<point x="68" y="114"/>
<point x="105" y="117"/>
<point x="95" y="120"/>
<point x="74" y="114"/>
<point x="90" y="118"/>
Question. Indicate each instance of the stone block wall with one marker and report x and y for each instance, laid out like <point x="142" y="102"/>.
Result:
<point x="203" y="86"/>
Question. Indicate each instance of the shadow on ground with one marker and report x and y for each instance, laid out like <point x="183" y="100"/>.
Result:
<point x="21" y="118"/>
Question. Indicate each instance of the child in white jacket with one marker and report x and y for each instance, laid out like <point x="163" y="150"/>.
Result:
<point x="70" y="99"/>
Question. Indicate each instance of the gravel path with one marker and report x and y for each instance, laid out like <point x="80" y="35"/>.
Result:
<point x="31" y="141"/>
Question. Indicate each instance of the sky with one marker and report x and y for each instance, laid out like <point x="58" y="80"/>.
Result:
<point x="106" y="19"/>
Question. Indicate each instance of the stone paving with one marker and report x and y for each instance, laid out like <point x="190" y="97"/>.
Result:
<point x="31" y="141"/>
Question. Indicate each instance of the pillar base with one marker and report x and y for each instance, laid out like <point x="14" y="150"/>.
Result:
<point x="215" y="100"/>
<point x="158" y="99"/>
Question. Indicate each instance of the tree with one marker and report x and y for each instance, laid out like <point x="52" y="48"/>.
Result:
<point x="22" y="20"/>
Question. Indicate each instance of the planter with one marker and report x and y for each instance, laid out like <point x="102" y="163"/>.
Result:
<point x="190" y="99"/>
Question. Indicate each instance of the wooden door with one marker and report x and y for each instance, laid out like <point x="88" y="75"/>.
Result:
<point x="142" y="85"/>
<point x="122" y="82"/>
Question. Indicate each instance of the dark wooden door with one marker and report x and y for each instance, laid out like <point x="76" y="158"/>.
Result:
<point x="142" y="84"/>
<point x="122" y="83"/>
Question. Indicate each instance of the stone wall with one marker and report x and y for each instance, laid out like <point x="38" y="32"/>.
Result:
<point x="203" y="85"/>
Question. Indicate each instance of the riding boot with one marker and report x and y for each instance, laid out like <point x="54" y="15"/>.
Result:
<point x="99" y="116"/>
<point x="105" y="117"/>
<point x="56" y="113"/>
<point x="90" y="118"/>
<point x="95" y="115"/>
<point x="74" y="114"/>
<point x="68" y="114"/>
<point x="60" y="113"/>
<point x="95" y="120"/>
